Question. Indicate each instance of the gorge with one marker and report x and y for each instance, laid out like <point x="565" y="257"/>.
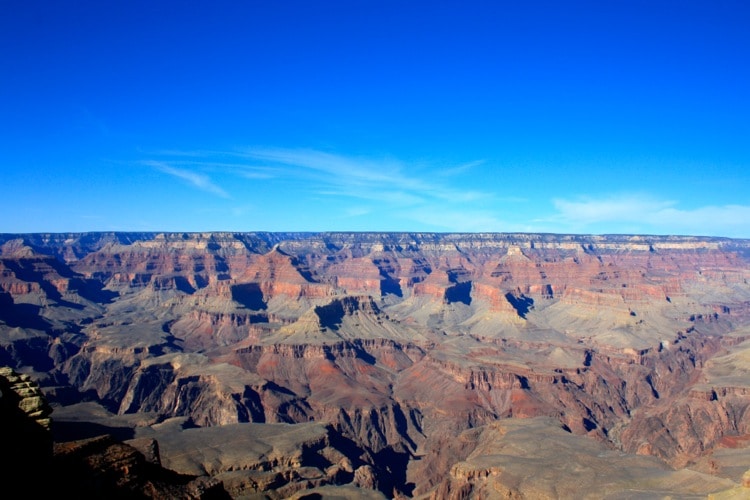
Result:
<point x="394" y="365"/>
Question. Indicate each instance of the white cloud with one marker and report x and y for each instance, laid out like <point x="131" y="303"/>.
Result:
<point x="352" y="168"/>
<point x="402" y="193"/>
<point x="726" y="216"/>
<point x="357" y="211"/>
<point x="410" y="193"/>
<point x="460" y="169"/>
<point x="367" y="178"/>
<point x="200" y="181"/>
<point x="247" y="171"/>
<point x="619" y="208"/>
<point x="641" y="213"/>
<point x="394" y="198"/>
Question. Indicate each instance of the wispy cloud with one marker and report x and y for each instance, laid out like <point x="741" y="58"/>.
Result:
<point x="372" y="189"/>
<point x="624" y="208"/>
<point x="382" y="190"/>
<point x="346" y="170"/>
<point x="357" y="211"/>
<point x="382" y="179"/>
<point x="198" y="180"/>
<point x="247" y="171"/>
<point x="411" y="192"/>
<point x="459" y="169"/>
<point x="366" y="178"/>
<point x="648" y="214"/>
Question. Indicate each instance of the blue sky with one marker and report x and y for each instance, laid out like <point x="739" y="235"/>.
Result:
<point x="564" y="117"/>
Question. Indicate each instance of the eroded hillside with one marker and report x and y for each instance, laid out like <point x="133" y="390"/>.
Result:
<point x="401" y="364"/>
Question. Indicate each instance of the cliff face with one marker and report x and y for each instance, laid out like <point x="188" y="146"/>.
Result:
<point x="400" y="342"/>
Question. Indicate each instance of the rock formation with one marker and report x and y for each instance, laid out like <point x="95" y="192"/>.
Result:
<point x="25" y="431"/>
<point x="403" y="364"/>
<point x="36" y="467"/>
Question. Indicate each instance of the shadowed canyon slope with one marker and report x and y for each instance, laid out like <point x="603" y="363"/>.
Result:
<point x="395" y="364"/>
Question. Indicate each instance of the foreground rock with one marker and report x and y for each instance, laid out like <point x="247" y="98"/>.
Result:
<point x="105" y="468"/>
<point x="24" y="431"/>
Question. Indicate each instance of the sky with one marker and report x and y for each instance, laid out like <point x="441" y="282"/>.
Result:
<point x="443" y="116"/>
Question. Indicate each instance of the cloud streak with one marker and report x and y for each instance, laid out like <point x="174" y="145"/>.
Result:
<point x="197" y="180"/>
<point x="364" y="178"/>
<point x="414" y="192"/>
<point x="630" y="208"/>
<point x="372" y="190"/>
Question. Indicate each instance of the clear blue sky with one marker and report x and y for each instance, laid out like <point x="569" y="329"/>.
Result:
<point x="583" y="117"/>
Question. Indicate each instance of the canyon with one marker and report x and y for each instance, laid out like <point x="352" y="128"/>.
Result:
<point x="388" y="365"/>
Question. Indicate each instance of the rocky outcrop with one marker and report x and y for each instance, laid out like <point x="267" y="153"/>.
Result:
<point x="274" y="460"/>
<point x="103" y="467"/>
<point x="687" y="428"/>
<point x="25" y="431"/>
<point x="21" y="391"/>
<point x="94" y="468"/>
